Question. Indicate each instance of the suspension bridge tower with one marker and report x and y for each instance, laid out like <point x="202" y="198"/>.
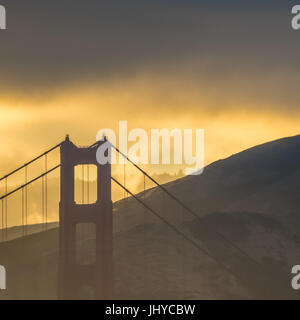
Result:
<point x="73" y="276"/>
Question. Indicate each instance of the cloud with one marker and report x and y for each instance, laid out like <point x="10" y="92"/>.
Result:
<point x="75" y="67"/>
<point x="51" y="44"/>
<point x="230" y="67"/>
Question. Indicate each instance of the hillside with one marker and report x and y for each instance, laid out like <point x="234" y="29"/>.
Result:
<point x="250" y="200"/>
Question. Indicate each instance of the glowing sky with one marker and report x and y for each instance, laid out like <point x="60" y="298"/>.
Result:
<point x="229" y="67"/>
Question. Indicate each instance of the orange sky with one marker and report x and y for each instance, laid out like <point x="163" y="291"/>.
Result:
<point x="29" y="126"/>
<point x="158" y="64"/>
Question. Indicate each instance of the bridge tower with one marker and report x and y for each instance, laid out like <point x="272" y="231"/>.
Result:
<point x="72" y="275"/>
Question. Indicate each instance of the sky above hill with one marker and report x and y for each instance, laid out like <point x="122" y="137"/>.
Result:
<point x="229" y="67"/>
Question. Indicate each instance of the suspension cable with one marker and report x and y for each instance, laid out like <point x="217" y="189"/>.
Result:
<point x="25" y="192"/>
<point x="174" y="228"/>
<point x="193" y="213"/>
<point x="29" y="182"/>
<point x="183" y="205"/>
<point x="30" y="162"/>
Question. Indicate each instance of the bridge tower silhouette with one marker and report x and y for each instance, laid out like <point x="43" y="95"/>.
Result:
<point x="73" y="276"/>
<point x="261" y="280"/>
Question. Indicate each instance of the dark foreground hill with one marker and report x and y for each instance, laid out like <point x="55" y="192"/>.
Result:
<point x="249" y="220"/>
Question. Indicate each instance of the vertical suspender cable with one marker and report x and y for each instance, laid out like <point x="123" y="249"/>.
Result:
<point x="4" y="204"/>
<point x="124" y="195"/>
<point x="183" y="248"/>
<point x="6" y="209"/>
<point x="23" y="212"/>
<point x="1" y="220"/>
<point x="124" y="173"/>
<point x="88" y="183"/>
<point x="2" y="233"/>
<point x="125" y="181"/>
<point x="145" y="243"/>
<point x="144" y="196"/>
<point x="46" y="192"/>
<point x="26" y="201"/>
<point x="82" y="184"/>
<point x="89" y="225"/>
<point x="43" y="203"/>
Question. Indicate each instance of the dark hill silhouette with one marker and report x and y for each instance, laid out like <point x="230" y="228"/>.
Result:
<point x="250" y="198"/>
